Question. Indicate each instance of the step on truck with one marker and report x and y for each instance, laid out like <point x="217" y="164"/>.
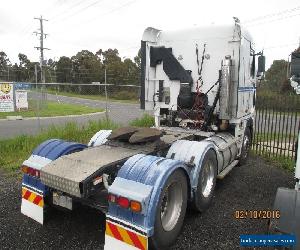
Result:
<point x="200" y="85"/>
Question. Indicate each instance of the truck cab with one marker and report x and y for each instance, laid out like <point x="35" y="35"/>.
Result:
<point x="200" y="84"/>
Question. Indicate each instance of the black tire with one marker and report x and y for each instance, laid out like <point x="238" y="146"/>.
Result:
<point x="246" y="146"/>
<point x="203" y="197"/>
<point x="166" y="231"/>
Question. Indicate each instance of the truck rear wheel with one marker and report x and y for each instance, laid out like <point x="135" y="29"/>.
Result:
<point x="170" y="211"/>
<point x="247" y="141"/>
<point x="206" y="182"/>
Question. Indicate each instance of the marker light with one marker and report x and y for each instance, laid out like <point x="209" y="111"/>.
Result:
<point x="123" y="202"/>
<point x="136" y="206"/>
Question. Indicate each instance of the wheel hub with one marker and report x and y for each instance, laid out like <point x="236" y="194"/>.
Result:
<point x="207" y="179"/>
<point x="171" y="206"/>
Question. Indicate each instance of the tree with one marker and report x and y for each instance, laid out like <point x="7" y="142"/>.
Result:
<point x="131" y="72"/>
<point x="23" y="60"/>
<point x="63" y="69"/>
<point x="137" y="59"/>
<point x="25" y="69"/>
<point x="4" y="65"/>
<point x="86" y="66"/>
<point x="4" y="60"/>
<point x="276" y="75"/>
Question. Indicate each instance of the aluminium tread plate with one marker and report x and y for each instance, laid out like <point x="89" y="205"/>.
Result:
<point x="67" y="172"/>
<point x="86" y="162"/>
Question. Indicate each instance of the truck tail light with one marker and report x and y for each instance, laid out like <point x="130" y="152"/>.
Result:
<point x="31" y="171"/>
<point x="123" y="202"/>
<point x="135" y="206"/>
<point x="112" y="198"/>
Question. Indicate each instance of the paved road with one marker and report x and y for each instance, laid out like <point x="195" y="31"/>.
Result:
<point x="121" y="113"/>
<point x="249" y="187"/>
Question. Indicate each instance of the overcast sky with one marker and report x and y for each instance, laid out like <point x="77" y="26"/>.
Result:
<point x="75" y="25"/>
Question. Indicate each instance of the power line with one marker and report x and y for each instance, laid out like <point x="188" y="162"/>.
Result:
<point x="272" y="14"/>
<point x="281" y="46"/>
<point x="28" y="27"/>
<point x="274" y="20"/>
<point x="63" y="12"/>
<point x="112" y="10"/>
<point x="100" y="15"/>
<point x="80" y="10"/>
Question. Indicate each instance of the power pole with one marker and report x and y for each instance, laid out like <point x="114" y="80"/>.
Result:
<point x="41" y="48"/>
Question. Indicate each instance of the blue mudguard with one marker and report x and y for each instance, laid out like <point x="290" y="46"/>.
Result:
<point x="44" y="154"/>
<point x="142" y="178"/>
<point x="55" y="148"/>
<point x="33" y="190"/>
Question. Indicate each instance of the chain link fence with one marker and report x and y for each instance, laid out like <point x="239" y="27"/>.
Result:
<point x="277" y="121"/>
<point x="42" y="105"/>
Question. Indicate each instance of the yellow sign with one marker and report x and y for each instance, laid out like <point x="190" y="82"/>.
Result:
<point x="5" y="88"/>
<point x="6" y="97"/>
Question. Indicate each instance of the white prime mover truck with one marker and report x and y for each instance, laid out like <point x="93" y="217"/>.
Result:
<point x="200" y="83"/>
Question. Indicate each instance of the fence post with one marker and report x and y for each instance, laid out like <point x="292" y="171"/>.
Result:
<point x="105" y="89"/>
<point x="38" y="102"/>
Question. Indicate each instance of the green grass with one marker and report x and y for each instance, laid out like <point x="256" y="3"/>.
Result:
<point x="284" y="162"/>
<point x="52" y="109"/>
<point x="118" y="98"/>
<point x="145" y="121"/>
<point x="14" y="151"/>
<point x="277" y="137"/>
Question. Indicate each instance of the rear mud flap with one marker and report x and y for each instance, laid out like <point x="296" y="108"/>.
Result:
<point x="287" y="202"/>
<point x="121" y="236"/>
<point x="33" y="203"/>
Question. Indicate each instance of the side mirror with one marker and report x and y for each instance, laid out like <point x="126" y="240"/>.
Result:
<point x="261" y="64"/>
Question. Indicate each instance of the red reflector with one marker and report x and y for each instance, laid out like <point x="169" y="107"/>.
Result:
<point x="30" y="171"/>
<point x="112" y="198"/>
<point x="123" y="202"/>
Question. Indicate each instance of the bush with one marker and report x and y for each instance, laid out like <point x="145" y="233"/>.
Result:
<point x="285" y="102"/>
<point x="146" y="121"/>
<point x="125" y="95"/>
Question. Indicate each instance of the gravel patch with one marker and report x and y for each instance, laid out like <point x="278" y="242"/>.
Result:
<point x="249" y="187"/>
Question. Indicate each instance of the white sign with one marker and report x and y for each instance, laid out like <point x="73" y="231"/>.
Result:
<point x="21" y="99"/>
<point x="6" y="97"/>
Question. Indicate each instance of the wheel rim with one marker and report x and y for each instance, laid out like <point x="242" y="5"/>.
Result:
<point x="171" y="206"/>
<point x="207" y="179"/>
<point x="246" y="146"/>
